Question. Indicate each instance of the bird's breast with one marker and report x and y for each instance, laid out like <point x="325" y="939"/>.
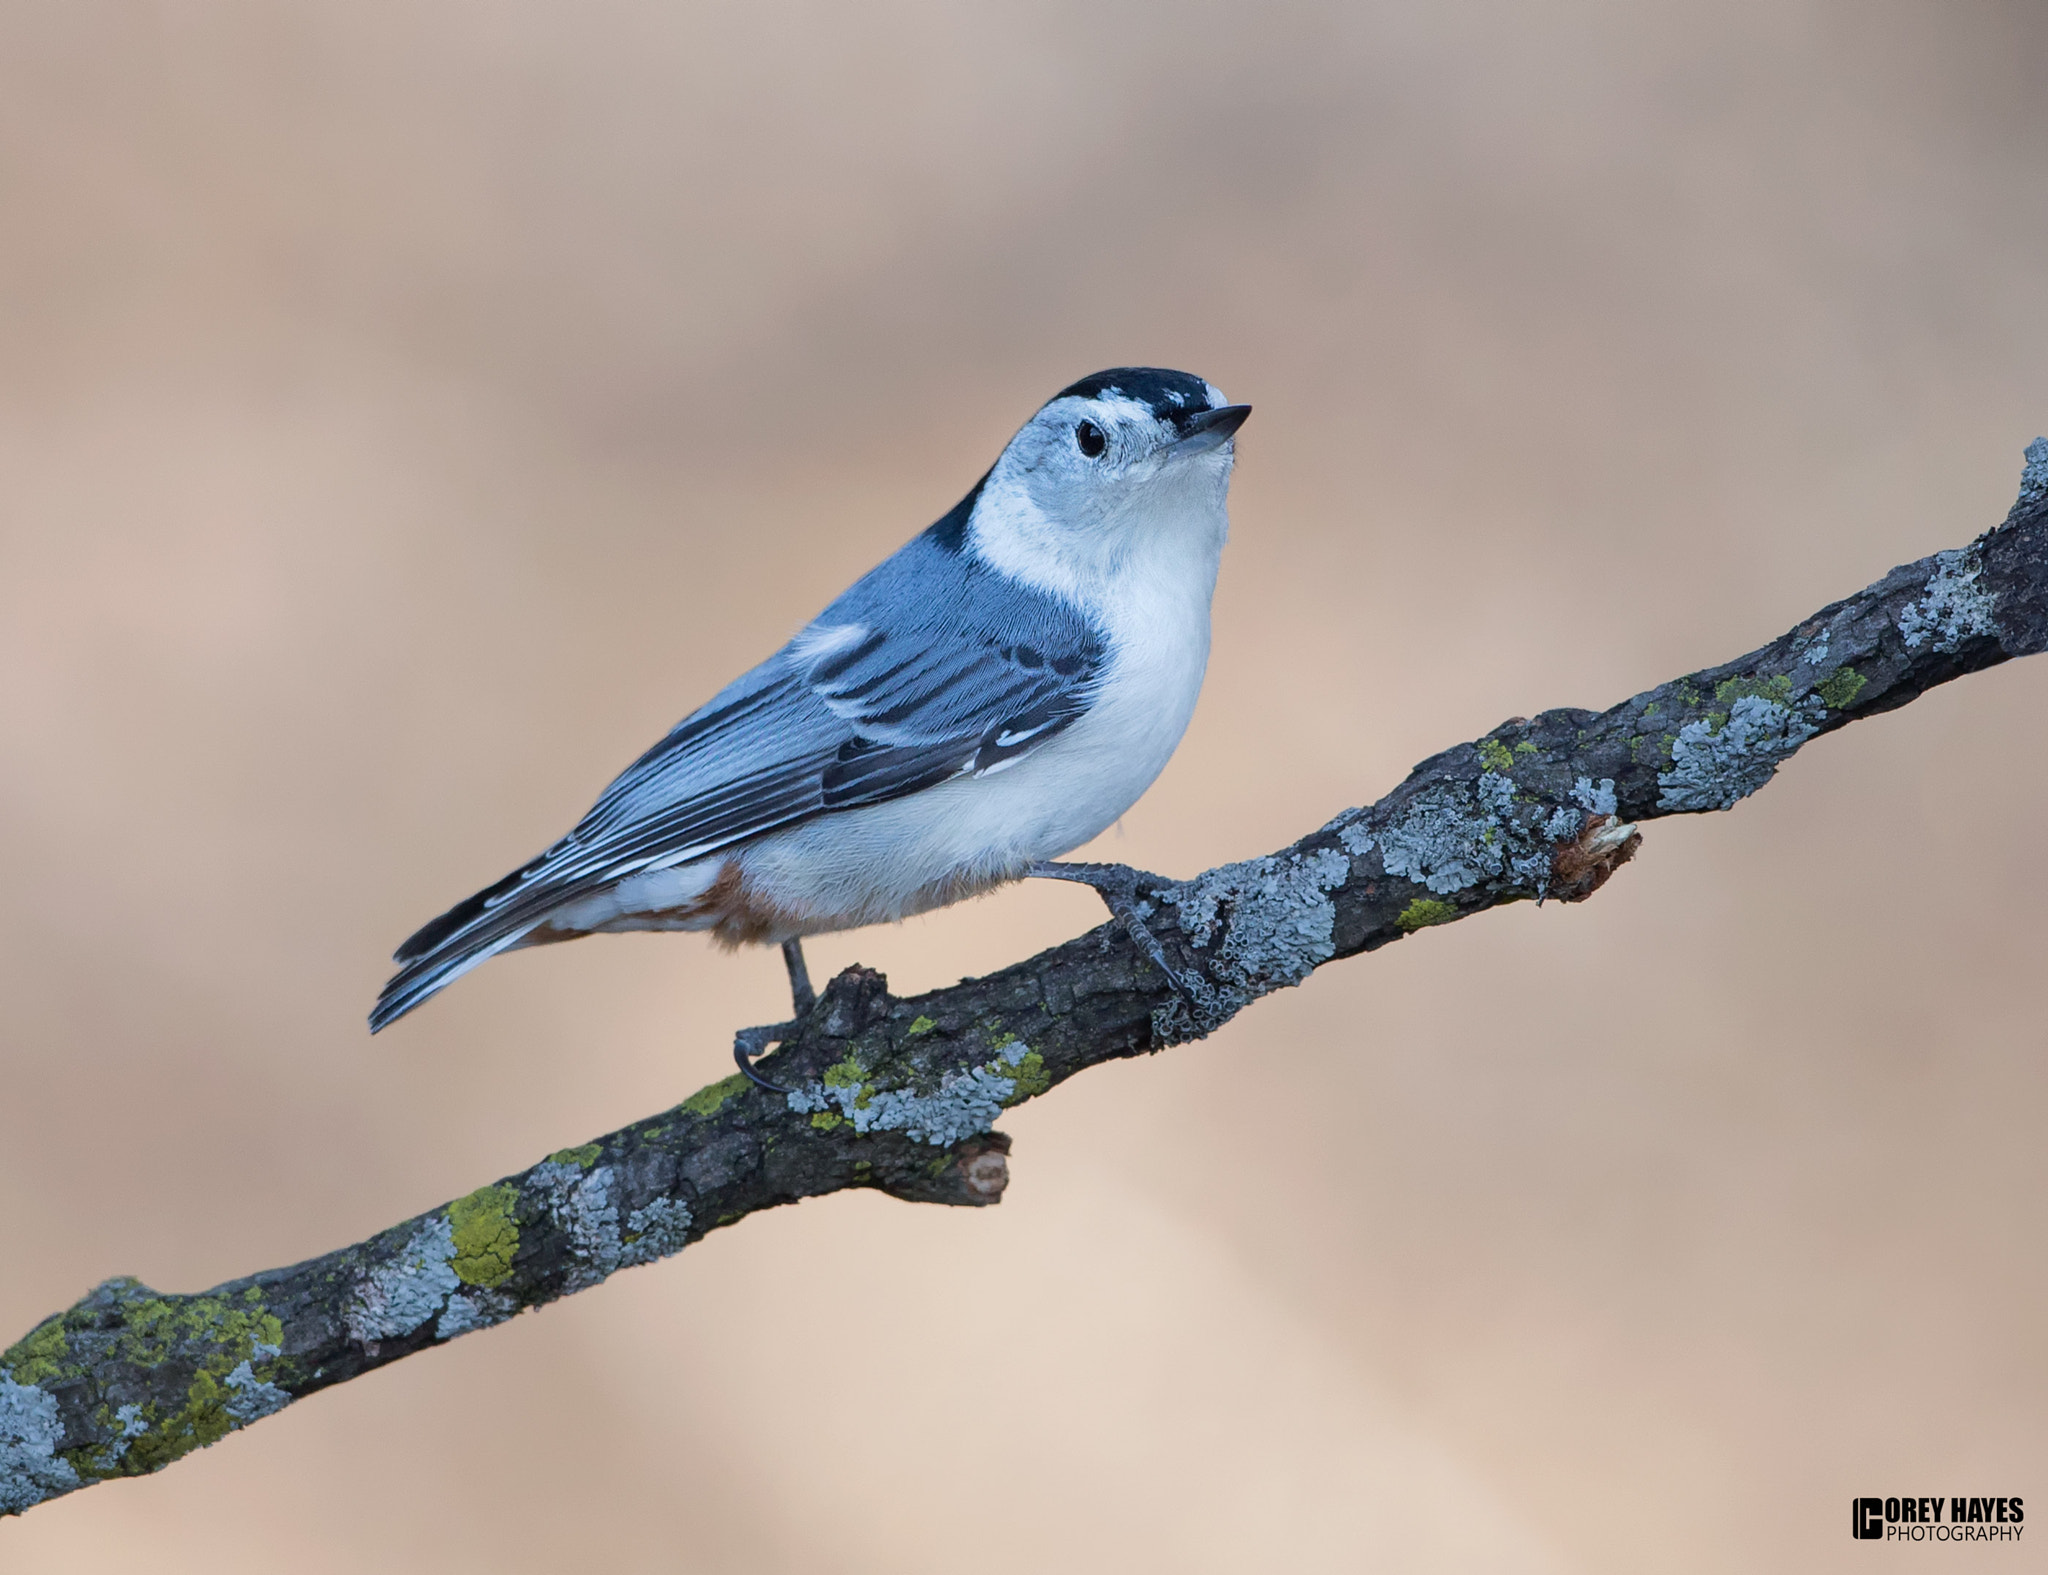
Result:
<point x="884" y="861"/>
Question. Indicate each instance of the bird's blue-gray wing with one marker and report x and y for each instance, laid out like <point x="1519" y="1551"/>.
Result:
<point x="930" y="667"/>
<point x="941" y="666"/>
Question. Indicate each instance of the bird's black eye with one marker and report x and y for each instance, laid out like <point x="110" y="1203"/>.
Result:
<point x="1089" y="440"/>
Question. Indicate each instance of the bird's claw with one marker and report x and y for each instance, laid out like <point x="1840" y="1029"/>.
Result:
<point x="1118" y="886"/>
<point x="750" y="1042"/>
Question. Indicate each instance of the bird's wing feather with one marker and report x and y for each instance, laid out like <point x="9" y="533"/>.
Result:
<point x="931" y="667"/>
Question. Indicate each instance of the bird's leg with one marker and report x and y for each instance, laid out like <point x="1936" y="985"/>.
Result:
<point x="1117" y="885"/>
<point x="800" y="991"/>
<point x="750" y="1042"/>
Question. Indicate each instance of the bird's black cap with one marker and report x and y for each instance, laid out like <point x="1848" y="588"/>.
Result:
<point x="1171" y="396"/>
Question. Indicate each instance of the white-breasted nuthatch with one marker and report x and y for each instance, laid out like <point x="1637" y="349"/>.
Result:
<point x="995" y="694"/>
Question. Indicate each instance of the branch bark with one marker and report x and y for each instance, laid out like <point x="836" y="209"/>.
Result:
<point x="901" y="1095"/>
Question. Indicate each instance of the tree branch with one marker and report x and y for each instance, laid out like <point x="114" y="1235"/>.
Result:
<point x="900" y="1095"/>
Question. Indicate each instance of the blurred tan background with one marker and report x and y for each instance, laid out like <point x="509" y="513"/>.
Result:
<point x="407" y="412"/>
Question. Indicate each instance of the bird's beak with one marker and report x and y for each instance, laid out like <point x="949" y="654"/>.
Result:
<point x="1210" y="429"/>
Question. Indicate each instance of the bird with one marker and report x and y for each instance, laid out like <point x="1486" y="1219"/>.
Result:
<point x="993" y="695"/>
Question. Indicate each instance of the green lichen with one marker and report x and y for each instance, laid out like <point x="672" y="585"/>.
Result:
<point x="850" y="1074"/>
<point x="922" y="1025"/>
<point x="706" y="1101"/>
<point x="582" y="1157"/>
<point x="1840" y="688"/>
<point x="1525" y="748"/>
<point x="38" y="1355"/>
<point x="1496" y="756"/>
<point x="1778" y="689"/>
<point x="154" y="1328"/>
<point x="486" y="1235"/>
<point x="203" y="1420"/>
<point x="214" y="1335"/>
<point x="825" y="1121"/>
<point x="1423" y="912"/>
<point x="1029" y="1074"/>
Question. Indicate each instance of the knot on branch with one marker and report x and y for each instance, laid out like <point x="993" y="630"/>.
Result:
<point x="869" y="1068"/>
<point x="856" y="998"/>
<point x="1580" y="867"/>
<point x="973" y="1174"/>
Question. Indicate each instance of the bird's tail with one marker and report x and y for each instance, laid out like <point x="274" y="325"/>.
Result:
<point x="444" y="949"/>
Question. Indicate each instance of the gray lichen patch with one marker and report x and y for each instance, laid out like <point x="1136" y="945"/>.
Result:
<point x="1716" y="768"/>
<point x="1443" y="842"/>
<point x="1450" y="838"/>
<point x="425" y="1281"/>
<point x="133" y="1425"/>
<point x="1595" y="799"/>
<point x="30" y="1428"/>
<point x="1281" y="921"/>
<point x="964" y="1104"/>
<point x="585" y="1209"/>
<point x="1277" y="915"/>
<point x="660" y="1230"/>
<point x="1561" y="825"/>
<point x="250" y="1398"/>
<point x="1954" y="607"/>
<point x="397" y="1296"/>
<point x="472" y="1308"/>
<point x="1278" y="924"/>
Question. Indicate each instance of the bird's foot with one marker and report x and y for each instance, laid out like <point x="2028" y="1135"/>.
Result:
<point x="750" y="1042"/>
<point x="1119" y="885"/>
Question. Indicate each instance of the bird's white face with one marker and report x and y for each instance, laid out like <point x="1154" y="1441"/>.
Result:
<point x="1097" y="483"/>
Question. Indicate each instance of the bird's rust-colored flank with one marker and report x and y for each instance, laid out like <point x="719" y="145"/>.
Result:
<point x="734" y="911"/>
<point x="741" y="915"/>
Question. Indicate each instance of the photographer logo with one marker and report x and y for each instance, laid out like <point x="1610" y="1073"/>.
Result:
<point x="1937" y="1519"/>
